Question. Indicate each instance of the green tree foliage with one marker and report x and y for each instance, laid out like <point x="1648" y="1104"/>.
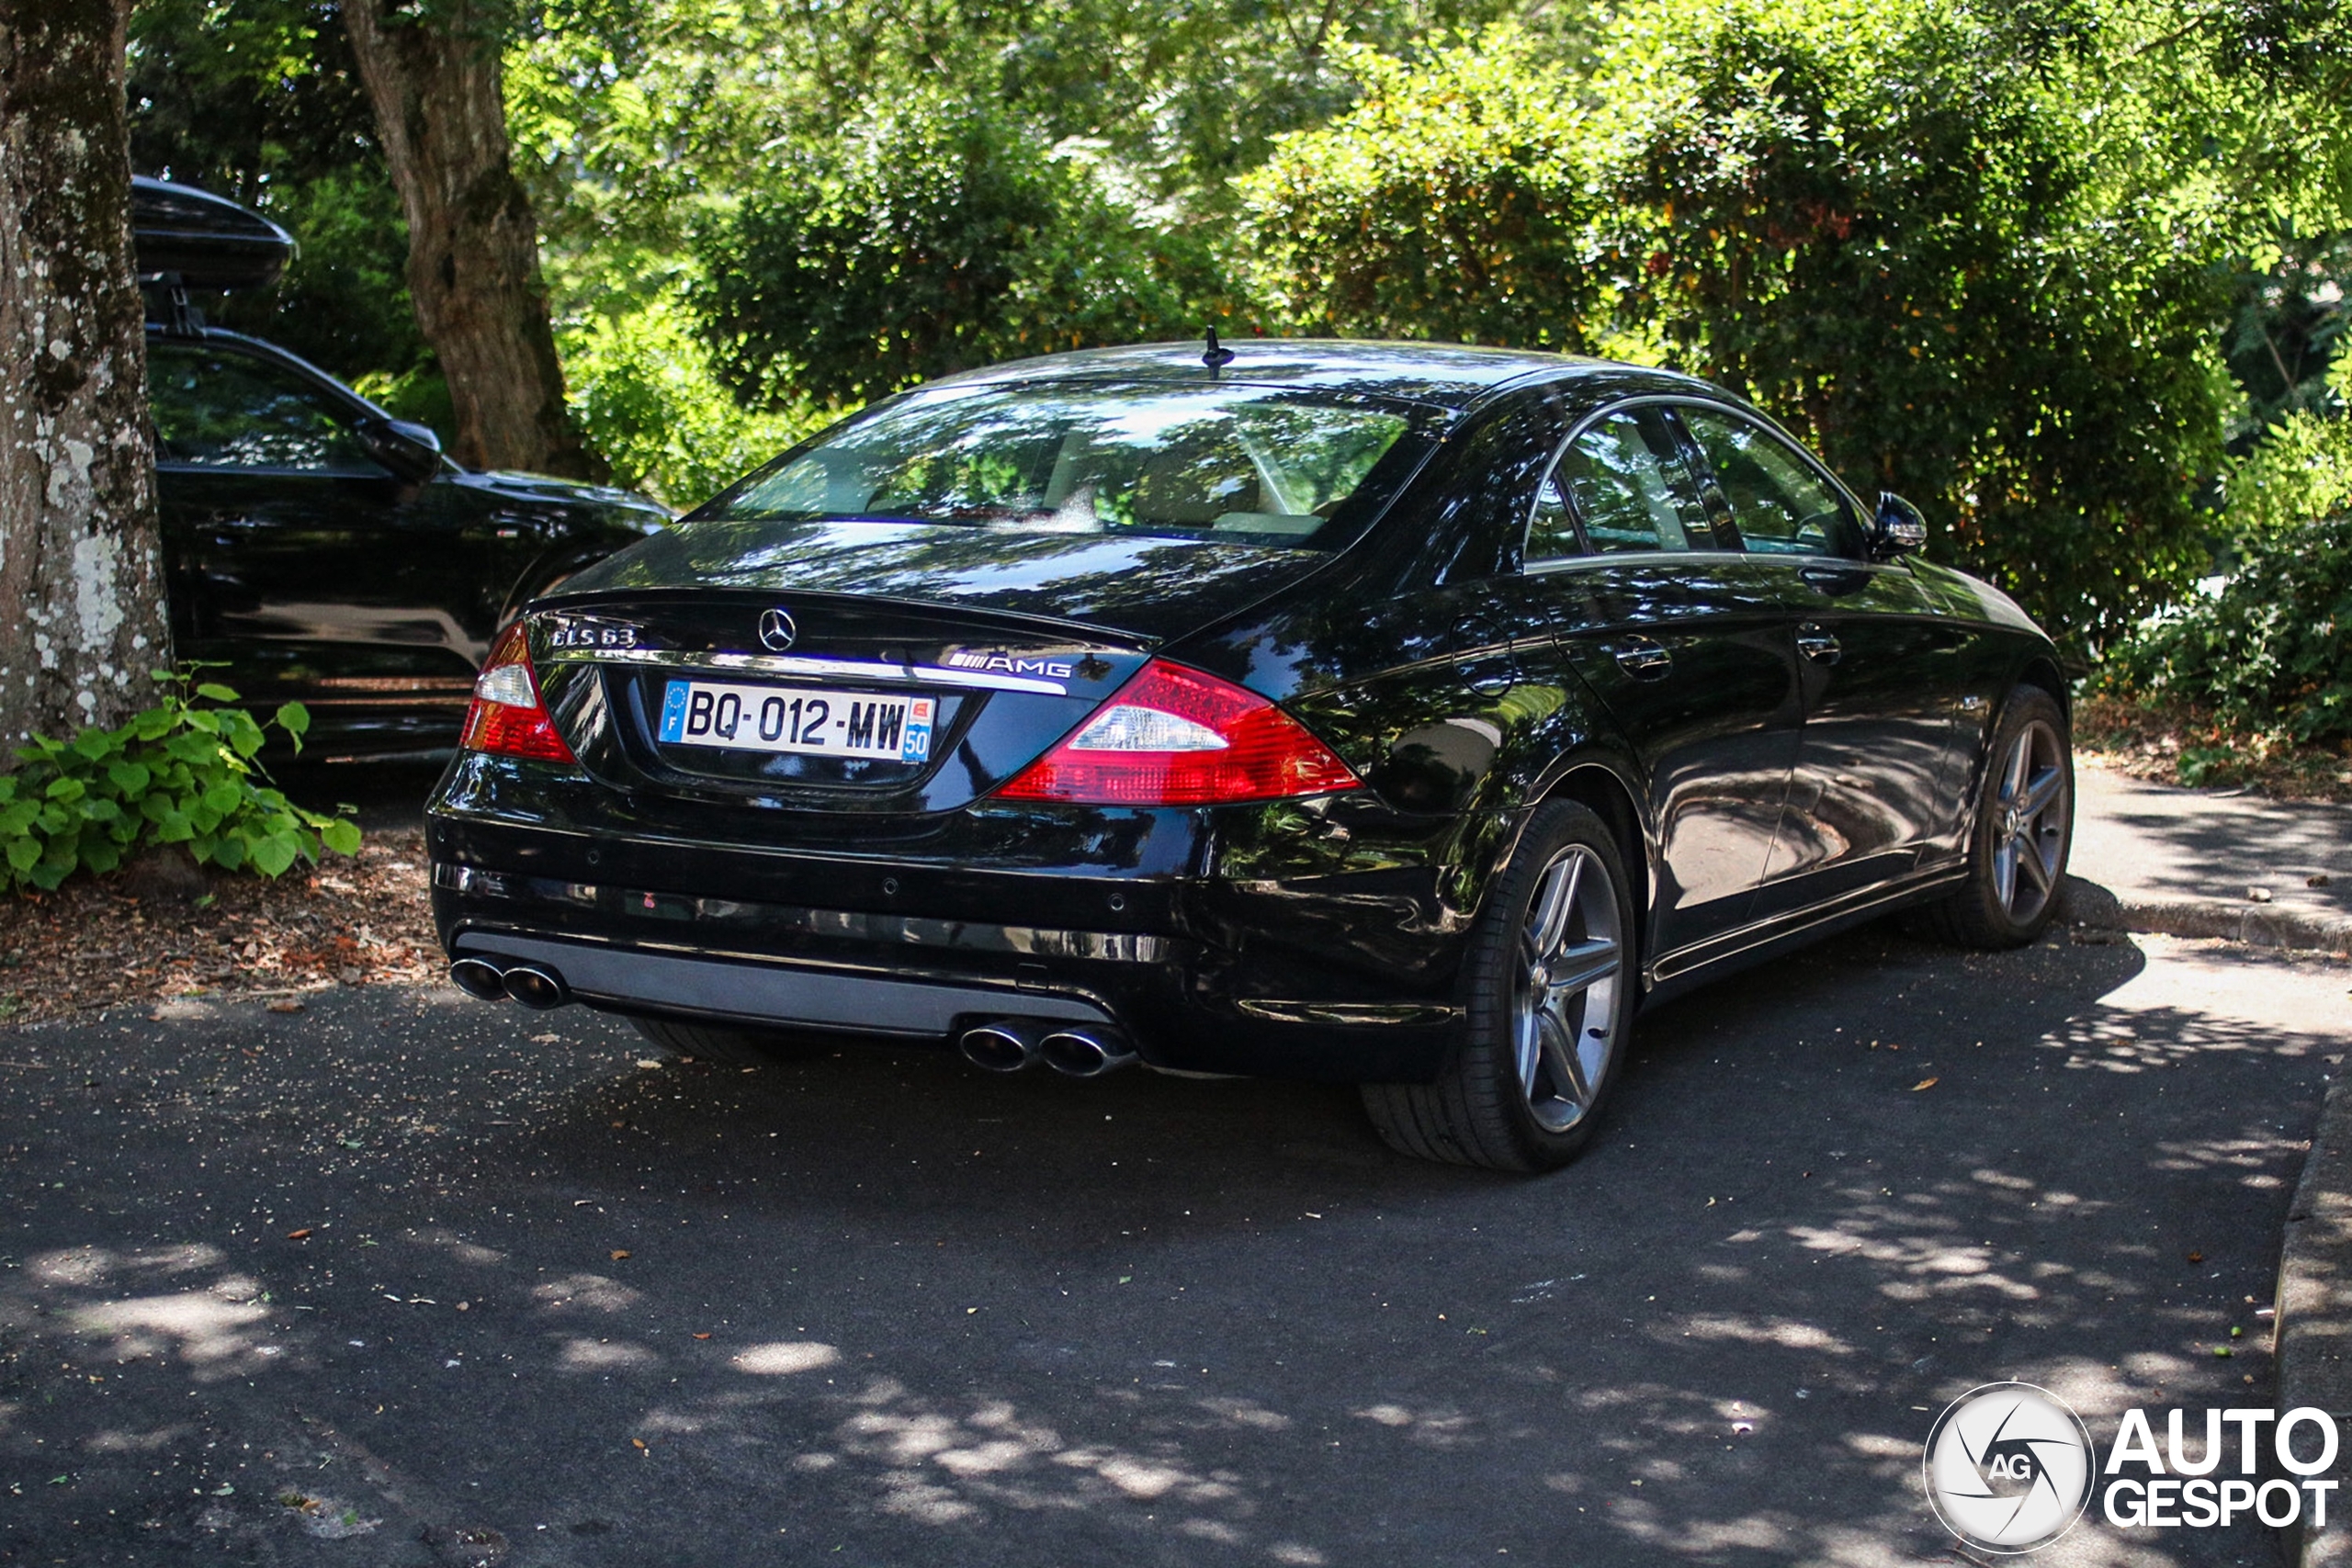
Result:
<point x="258" y="101"/>
<point x="1896" y="228"/>
<point x="936" y="236"/>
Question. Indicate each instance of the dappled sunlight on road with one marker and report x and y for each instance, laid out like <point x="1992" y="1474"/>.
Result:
<point x="870" y="1299"/>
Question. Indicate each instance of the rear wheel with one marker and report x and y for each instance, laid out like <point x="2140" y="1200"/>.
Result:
<point x="2025" y="823"/>
<point x="1551" y="1000"/>
<point x="732" y="1048"/>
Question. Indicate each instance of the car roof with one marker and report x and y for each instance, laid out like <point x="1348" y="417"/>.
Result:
<point x="1450" y="375"/>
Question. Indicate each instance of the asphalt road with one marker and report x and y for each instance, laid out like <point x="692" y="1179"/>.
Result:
<point x="405" y="1279"/>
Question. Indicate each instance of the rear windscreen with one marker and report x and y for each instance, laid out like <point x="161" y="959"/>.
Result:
<point x="1268" y="464"/>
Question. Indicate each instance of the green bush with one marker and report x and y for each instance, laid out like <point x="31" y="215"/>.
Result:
<point x="177" y="774"/>
<point x="2270" y="651"/>
<point x="1897" y="228"/>
<point x="935" y="237"/>
<point x="641" y="385"/>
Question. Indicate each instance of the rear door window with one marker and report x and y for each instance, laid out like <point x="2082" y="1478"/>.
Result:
<point x="1619" y="486"/>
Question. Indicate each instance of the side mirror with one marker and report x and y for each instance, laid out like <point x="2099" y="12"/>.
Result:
<point x="410" y="450"/>
<point x="1898" y="529"/>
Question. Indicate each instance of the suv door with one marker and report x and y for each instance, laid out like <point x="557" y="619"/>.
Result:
<point x="1687" y="647"/>
<point x="302" y="564"/>
<point x="1881" y="666"/>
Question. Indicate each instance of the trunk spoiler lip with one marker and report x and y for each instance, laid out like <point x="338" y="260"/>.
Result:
<point x="1068" y="628"/>
<point x="873" y="669"/>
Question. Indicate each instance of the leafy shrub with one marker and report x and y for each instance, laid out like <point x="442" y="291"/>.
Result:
<point x="936" y="236"/>
<point x="1897" y="228"/>
<point x="2269" y="651"/>
<point x="177" y="774"/>
<point x="642" y="388"/>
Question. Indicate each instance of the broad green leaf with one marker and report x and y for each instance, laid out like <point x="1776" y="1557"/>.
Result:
<point x="295" y="719"/>
<point x="131" y="778"/>
<point x="272" y="855"/>
<point x="342" y="836"/>
<point x="216" y="692"/>
<point x="23" y="853"/>
<point x="229" y="854"/>
<point x="67" y="789"/>
<point x="225" y="796"/>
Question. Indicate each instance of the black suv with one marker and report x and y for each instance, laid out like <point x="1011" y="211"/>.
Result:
<point x="317" y="547"/>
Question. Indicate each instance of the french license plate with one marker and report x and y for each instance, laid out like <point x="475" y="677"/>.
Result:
<point x="797" y="720"/>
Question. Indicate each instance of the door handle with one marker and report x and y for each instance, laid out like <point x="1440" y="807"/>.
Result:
<point x="1816" y="643"/>
<point x="1644" y="659"/>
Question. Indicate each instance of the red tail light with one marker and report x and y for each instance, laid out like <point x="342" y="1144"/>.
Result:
<point x="1175" y="737"/>
<point x="507" y="720"/>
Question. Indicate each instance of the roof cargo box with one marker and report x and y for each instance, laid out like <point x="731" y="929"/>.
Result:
<point x="208" y="241"/>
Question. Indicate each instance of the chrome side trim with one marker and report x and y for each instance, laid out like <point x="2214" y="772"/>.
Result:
<point x="1284" y="1012"/>
<point x="725" y="917"/>
<point x="868" y="670"/>
<point x="1730" y="945"/>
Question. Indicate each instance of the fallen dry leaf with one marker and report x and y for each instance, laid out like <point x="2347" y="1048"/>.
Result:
<point x="638" y="1442"/>
<point x="285" y="1004"/>
<point x="298" y="1235"/>
<point x="619" y="1253"/>
<point x="2197" y="1258"/>
<point x="1925" y="1083"/>
<point x="702" y="1336"/>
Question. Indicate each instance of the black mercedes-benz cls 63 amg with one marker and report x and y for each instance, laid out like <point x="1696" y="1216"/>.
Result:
<point x="1388" y="712"/>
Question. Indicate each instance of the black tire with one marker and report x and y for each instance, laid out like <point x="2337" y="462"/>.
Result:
<point x="1998" y="908"/>
<point x="1486" y="1107"/>
<point x="729" y="1047"/>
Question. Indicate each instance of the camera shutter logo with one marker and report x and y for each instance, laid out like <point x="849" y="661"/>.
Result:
<point x="776" y="631"/>
<point x="2010" y="1467"/>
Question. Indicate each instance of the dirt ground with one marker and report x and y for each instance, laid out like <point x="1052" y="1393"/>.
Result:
<point x="346" y="921"/>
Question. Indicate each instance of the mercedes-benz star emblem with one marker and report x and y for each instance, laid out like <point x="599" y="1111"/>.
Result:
<point x="776" y="631"/>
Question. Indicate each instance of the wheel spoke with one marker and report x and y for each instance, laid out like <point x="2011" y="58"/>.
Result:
<point x="2020" y="760"/>
<point x="2005" y="873"/>
<point x="2041" y="791"/>
<point x="2027" y="855"/>
<point x="1560" y="1055"/>
<point x="1553" y="906"/>
<point x="1582" y="966"/>
<point x="1529" y="1048"/>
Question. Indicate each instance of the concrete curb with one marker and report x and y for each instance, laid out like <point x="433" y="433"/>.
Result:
<point x="2312" y="1334"/>
<point x="2085" y="903"/>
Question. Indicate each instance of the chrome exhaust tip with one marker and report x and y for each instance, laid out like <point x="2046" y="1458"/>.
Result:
<point x="1083" y="1054"/>
<point x="536" y="988"/>
<point x="1000" y="1047"/>
<point x="479" y="977"/>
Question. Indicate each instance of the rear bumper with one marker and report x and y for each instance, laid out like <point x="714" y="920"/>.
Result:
<point x="1344" y="976"/>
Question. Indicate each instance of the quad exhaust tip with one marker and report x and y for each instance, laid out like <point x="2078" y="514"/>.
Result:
<point x="479" y="977"/>
<point x="1003" y="1046"/>
<point x="1085" y="1053"/>
<point x="534" y="987"/>
<point x="1011" y="1045"/>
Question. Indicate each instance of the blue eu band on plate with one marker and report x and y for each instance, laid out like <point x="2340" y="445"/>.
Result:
<point x="797" y="720"/>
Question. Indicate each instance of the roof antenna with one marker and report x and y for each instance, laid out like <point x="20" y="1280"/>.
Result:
<point x="1218" y="356"/>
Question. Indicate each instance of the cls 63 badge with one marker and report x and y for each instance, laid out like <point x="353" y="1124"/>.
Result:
<point x="585" y="631"/>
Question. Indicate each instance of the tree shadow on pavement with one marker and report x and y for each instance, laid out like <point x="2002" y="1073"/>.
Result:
<point x="876" y="1301"/>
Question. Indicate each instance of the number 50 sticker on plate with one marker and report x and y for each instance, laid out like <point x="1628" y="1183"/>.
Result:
<point x="795" y="719"/>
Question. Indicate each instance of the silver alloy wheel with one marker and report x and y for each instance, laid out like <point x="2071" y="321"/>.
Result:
<point x="2030" y="822"/>
<point x="1564" y="1003"/>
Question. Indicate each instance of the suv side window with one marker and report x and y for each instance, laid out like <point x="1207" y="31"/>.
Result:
<point x="1621" y="484"/>
<point x="217" y="408"/>
<point x="1778" y="502"/>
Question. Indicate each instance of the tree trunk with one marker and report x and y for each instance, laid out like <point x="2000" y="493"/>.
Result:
<point x="437" y="86"/>
<point x="81" y="571"/>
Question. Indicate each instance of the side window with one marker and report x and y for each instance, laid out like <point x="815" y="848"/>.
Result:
<point x="1621" y="479"/>
<point x="215" y="409"/>
<point x="1780" y="504"/>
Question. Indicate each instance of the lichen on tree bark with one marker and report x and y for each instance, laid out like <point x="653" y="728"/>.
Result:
<point x="81" y="571"/>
